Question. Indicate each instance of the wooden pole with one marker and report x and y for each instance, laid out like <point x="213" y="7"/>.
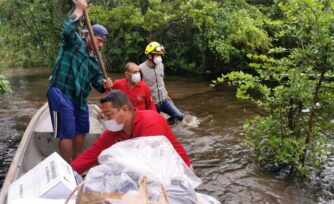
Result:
<point x="91" y="33"/>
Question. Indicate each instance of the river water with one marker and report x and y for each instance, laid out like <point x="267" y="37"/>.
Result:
<point x="211" y="134"/>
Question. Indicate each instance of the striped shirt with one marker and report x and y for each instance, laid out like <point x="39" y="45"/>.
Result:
<point x="75" y="72"/>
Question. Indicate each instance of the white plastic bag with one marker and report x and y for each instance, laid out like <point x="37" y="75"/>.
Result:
<point x="124" y="164"/>
<point x="40" y="201"/>
<point x="205" y="199"/>
<point x="153" y="156"/>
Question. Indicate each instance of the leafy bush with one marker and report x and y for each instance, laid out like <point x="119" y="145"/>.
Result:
<point x="31" y="31"/>
<point x="4" y="86"/>
<point x="296" y="90"/>
<point x="200" y="36"/>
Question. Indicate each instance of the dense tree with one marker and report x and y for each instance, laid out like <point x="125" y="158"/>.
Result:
<point x="30" y="31"/>
<point x="200" y="36"/>
<point x="282" y="50"/>
<point x="296" y="88"/>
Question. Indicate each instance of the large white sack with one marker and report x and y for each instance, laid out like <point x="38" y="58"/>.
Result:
<point x="124" y="164"/>
<point x="153" y="156"/>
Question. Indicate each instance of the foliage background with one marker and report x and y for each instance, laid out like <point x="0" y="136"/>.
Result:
<point x="278" y="53"/>
<point x="201" y="36"/>
<point x="294" y="82"/>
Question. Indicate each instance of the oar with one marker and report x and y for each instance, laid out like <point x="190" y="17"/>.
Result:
<point x="91" y="33"/>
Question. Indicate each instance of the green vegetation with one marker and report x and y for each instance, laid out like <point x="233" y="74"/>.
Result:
<point x="4" y="86"/>
<point x="30" y="31"/>
<point x="201" y="36"/>
<point x="295" y="85"/>
<point x="278" y="53"/>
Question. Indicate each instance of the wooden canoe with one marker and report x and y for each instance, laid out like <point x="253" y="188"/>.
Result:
<point x="38" y="142"/>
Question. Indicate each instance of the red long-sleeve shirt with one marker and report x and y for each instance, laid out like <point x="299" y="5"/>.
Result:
<point x="140" y="95"/>
<point x="145" y="123"/>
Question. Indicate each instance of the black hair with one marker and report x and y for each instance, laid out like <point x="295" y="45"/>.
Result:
<point x="117" y="98"/>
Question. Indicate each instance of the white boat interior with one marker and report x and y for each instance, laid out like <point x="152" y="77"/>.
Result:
<point x="38" y="142"/>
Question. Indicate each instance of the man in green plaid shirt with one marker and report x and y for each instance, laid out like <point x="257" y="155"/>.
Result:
<point x="76" y="70"/>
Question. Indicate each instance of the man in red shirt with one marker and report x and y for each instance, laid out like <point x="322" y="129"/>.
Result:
<point x="122" y="123"/>
<point x="137" y="90"/>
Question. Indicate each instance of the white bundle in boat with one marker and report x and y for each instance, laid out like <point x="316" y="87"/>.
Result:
<point x="123" y="166"/>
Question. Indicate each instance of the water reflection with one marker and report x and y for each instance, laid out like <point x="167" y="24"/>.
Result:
<point x="212" y="138"/>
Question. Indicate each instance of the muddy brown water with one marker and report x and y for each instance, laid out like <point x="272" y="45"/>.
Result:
<point x="212" y="136"/>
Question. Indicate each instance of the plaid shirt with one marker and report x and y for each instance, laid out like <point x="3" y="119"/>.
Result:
<point x="75" y="71"/>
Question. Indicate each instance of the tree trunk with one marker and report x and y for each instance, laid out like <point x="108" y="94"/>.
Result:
<point x="309" y="137"/>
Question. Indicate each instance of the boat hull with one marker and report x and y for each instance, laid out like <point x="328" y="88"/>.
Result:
<point x="38" y="142"/>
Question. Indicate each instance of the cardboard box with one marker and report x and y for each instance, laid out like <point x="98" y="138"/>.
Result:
<point x="53" y="178"/>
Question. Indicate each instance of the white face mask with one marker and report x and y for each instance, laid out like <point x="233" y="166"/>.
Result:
<point x="112" y="125"/>
<point x="157" y="60"/>
<point x="135" y="78"/>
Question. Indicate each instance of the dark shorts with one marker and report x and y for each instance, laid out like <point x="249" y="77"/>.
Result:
<point x="71" y="119"/>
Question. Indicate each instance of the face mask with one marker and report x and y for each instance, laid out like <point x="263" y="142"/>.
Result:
<point x="157" y="60"/>
<point x="112" y="125"/>
<point x="135" y="78"/>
